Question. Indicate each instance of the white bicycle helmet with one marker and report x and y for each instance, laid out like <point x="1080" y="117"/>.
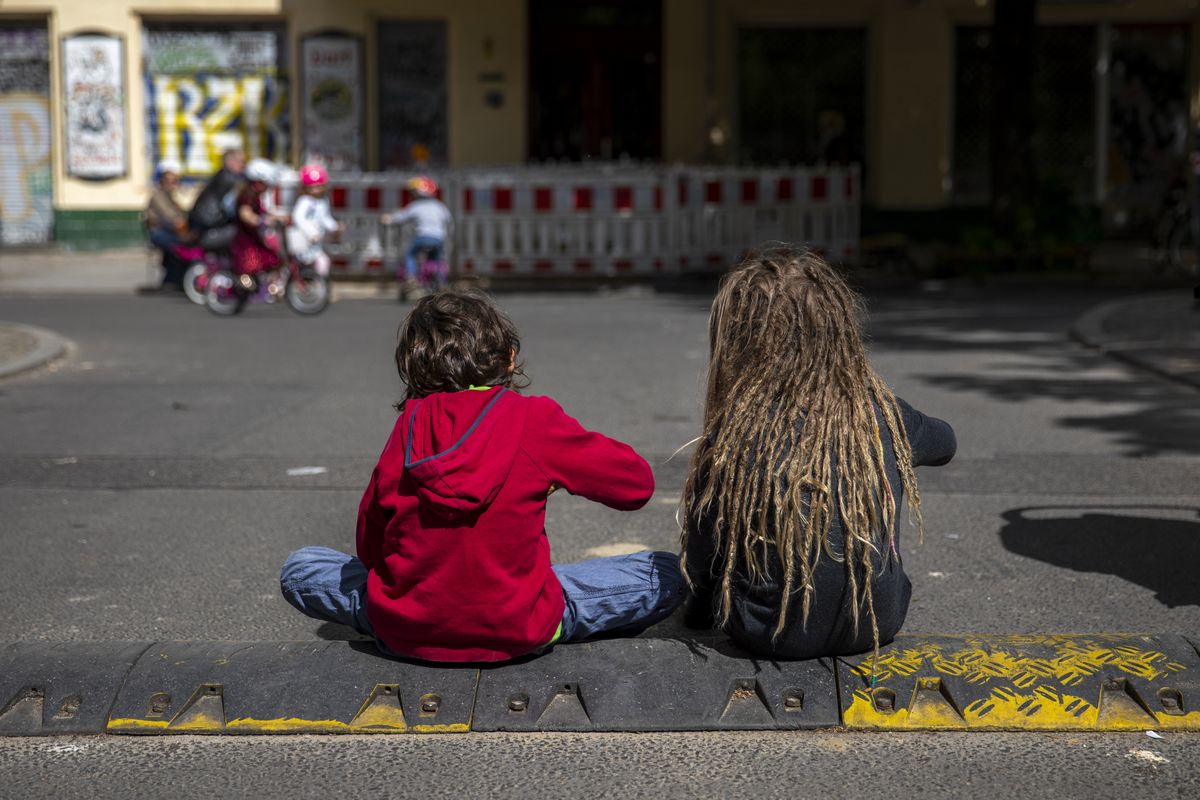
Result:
<point x="259" y="169"/>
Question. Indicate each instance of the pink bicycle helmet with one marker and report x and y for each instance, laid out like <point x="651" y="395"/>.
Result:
<point x="313" y="175"/>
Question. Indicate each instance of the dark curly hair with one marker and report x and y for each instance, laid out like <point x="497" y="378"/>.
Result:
<point x="453" y="340"/>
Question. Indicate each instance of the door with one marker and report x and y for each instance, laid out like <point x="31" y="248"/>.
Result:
<point x="595" y="80"/>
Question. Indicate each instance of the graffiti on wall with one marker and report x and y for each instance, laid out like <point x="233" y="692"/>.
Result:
<point x="209" y="91"/>
<point x="94" y="106"/>
<point x="26" y="211"/>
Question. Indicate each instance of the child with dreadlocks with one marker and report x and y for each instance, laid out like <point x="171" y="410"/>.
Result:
<point x="792" y="501"/>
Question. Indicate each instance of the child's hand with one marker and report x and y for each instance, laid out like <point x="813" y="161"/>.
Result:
<point x="386" y="219"/>
<point x="553" y="488"/>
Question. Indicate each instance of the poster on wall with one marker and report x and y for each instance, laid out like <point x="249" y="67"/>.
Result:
<point x="94" y="106"/>
<point x="211" y="90"/>
<point x="332" y="95"/>
<point x="26" y="211"/>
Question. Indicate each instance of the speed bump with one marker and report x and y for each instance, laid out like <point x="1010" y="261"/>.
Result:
<point x="1099" y="682"/>
<point x="289" y="687"/>
<point x="655" y="685"/>
<point x="61" y="688"/>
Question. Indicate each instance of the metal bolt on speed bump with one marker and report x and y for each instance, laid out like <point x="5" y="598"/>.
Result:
<point x="518" y="704"/>
<point x="430" y="704"/>
<point x="1172" y="701"/>
<point x="159" y="703"/>
<point x="884" y="700"/>
<point x="793" y="700"/>
<point x="69" y="707"/>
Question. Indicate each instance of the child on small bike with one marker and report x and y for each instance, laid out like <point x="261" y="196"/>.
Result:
<point x="312" y="220"/>
<point x="255" y="246"/>
<point x="431" y="219"/>
<point x="453" y="561"/>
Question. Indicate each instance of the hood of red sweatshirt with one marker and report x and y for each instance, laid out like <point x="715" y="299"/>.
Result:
<point x="460" y="446"/>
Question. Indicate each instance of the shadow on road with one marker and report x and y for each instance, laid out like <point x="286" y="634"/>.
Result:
<point x="1151" y="550"/>
<point x="1034" y="360"/>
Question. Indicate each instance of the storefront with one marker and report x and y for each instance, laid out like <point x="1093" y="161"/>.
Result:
<point x="373" y="85"/>
<point x="1111" y="110"/>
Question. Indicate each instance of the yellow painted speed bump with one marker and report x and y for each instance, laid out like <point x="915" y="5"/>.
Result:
<point x="289" y="687"/>
<point x="1100" y="682"/>
<point x="62" y="688"/>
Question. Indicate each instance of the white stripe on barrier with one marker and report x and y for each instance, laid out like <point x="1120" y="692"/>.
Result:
<point x="610" y="221"/>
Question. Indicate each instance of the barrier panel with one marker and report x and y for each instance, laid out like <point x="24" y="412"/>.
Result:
<point x="608" y="221"/>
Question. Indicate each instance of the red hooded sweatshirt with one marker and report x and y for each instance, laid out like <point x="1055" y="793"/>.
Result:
<point x="452" y="525"/>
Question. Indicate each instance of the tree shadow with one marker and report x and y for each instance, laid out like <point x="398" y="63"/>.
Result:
<point x="1156" y="552"/>
<point x="1035" y="361"/>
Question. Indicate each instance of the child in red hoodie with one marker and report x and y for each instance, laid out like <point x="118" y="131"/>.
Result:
<point x="453" y="561"/>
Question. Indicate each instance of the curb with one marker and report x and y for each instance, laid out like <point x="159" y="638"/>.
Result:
<point x="49" y="347"/>
<point x="1088" y="330"/>
<point x="984" y="682"/>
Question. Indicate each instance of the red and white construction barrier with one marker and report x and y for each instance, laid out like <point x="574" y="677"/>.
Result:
<point x="572" y="221"/>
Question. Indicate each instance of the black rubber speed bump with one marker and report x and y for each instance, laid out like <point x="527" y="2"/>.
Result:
<point x="655" y="685"/>
<point x="289" y="687"/>
<point x="67" y="687"/>
<point x="1101" y="682"/>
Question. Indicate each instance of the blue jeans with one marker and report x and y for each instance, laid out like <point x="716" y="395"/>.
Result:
<point x="429" y="243"/>
<point x="173" y="266"/>
<point x="621" y="594"/>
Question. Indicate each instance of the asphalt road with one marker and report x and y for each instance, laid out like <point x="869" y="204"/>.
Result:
<point x="145" y="494"/>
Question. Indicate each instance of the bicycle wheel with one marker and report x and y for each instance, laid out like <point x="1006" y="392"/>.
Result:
<point x="307" y="292"/>
<point x="195" y="282"/>
<point x="223" y="296"/>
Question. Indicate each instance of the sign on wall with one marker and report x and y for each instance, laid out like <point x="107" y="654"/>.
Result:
<point x="333" y="101"/>
<point x="208" y="91"/>
<point x="94" y="106"/>
<point x="26" y="211"/>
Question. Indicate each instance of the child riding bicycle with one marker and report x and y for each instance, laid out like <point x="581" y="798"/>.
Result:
<point x="432" y="219"/>
<point x="311" y="220"/>
<point x="255" y="246"/>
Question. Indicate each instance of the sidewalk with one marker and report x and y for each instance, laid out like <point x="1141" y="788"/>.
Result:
<point x="58" y="271"/>
<point x="1158" y="332"/>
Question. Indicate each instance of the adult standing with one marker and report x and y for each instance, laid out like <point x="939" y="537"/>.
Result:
<point x="212" y="215"/>
<point x="166" y="222"/>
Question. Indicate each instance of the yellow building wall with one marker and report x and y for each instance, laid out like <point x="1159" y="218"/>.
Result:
<point x="910" y="77"/>
<point x="482" y="37"/>
<point x="909" y="74"/>
<point x="66" y="17"/>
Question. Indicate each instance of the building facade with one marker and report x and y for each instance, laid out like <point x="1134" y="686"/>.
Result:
<point x="94" y="92"/>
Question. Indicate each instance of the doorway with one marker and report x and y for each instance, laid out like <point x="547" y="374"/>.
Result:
<point x="595" y="75"/>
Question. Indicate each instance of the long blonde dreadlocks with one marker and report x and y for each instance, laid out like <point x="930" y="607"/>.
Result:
<point x="788" y="420"/>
